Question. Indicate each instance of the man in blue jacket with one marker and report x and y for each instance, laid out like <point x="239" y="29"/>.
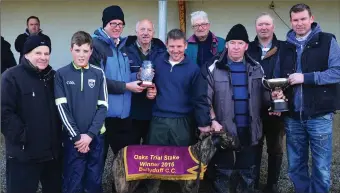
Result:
<point x="311" y="58"/>
<point x="181" y="103"/>
<point x="109" y="53"/>
<point x="81" y="97"/>
<point x="142" y="47"/>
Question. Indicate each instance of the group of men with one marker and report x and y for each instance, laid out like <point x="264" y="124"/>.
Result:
<point x="203" y="82"/>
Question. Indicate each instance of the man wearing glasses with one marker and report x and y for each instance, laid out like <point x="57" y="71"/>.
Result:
<point x="203" y="44"/>
<point x="108" y="54"/>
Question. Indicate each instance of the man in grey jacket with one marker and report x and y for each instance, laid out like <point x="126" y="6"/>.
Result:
<point x="236" y="96"/>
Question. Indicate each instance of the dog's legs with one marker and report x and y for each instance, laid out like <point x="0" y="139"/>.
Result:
<point x="187" y="186"/>
<point x="122" y="186"/>
<point x="153" y="186"/>
<point x="119" y="179"/>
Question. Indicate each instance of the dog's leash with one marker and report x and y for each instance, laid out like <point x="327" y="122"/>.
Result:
<point x="199" y="166"/>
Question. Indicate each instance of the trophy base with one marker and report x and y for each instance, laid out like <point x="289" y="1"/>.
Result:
<point x="146" y="84"/>
<point x="279" y="106"/>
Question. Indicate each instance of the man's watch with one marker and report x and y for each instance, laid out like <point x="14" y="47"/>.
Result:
<point x="213" y="119"/>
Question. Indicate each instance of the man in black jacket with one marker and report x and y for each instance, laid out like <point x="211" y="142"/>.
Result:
<point x="7" y="58"/>
<point x="140" y="48"/>
<point x="30" y="123"/>
<point x="264" y="49"/>
<point x="33" y="28"/>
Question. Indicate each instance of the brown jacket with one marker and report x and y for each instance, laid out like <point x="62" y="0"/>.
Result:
<point x="220" y="95"/>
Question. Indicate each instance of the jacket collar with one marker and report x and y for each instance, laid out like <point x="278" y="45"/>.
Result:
<point x="28" y="33"/>
<point x="192" y="38"/>
<point x="315" y="30"/>
<point x="155" y="42"/>
<point x="45" y="74"/>
<point x="274" y="41"/>
<point x="185" y="60"/>
<point x="78" y="67"/>
<point x="103" y="36"/>
<point x="221" y="64"/>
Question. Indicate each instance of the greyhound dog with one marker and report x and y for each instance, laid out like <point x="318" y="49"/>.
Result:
<point x="204" y="149"/>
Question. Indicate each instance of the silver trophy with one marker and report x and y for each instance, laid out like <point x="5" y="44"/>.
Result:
<point x="277" y="105"/>
<point x="147" y="74"/>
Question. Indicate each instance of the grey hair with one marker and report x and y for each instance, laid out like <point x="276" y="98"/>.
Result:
<point x="138" y="22"/>
<point x="264" y="14"/>
<point x="199" y="15"/>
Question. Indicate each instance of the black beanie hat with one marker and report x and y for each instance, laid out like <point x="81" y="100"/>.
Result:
<point x="111" y="13"/>
<point x="35" y="41"/>
<point x="238" y="32"/>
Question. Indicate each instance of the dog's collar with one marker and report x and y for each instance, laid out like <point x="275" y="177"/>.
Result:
<point x="215" y="140"/>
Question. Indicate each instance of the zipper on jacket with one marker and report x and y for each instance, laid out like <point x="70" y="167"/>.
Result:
<point x="81" y="79"/>
<point x="301" y="90"/>
<point x="171" y="67"/>
<point x="120" y="72"/>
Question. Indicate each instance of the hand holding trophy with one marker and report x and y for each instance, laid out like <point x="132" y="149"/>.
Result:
<point x="277" y="85"/>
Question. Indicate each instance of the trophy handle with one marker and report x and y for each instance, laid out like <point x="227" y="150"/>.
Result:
<point x="265" y="84"/>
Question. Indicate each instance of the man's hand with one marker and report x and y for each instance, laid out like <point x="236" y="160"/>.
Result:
<point x="151" y="92"/>
<point x="134" y="87"/>
<point x="275" y="113"/>
<point x="278" y="94"/>
<point x="215" y="126"/>
<point x="84" y="150"/>
<point x="206" y="129"/>
<point x="296" y="78"/>
<point x="83" y="143"/>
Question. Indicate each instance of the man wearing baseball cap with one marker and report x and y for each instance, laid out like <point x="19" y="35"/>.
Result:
<point x="30" y="122"/>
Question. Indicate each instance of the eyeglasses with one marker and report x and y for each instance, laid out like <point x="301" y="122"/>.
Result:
<point x="114" y="25"/>
<point x="203" y="25"/>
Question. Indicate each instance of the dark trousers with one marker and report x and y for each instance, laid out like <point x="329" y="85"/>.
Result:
<point x="24" y="177"/>
<point x="234" y="169"/>
<point x="119" y="133"/>
<point x="273" y="131"/>
<point x="83" y="172"/>
<point x="142" y="128"/>
<point x="171" y="131"/>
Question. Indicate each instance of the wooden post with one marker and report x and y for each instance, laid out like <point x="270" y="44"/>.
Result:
<point x="182" y="15"/>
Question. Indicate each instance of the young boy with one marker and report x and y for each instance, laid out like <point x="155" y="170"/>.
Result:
<point x="81" y="98"/>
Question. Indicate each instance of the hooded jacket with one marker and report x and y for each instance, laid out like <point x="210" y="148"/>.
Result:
<point x="114" y="61"/>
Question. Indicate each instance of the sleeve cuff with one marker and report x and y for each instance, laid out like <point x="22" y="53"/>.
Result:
<point x="309" y="78"/>
<point x="76" y="138"/>
<point x="90" y="134"/>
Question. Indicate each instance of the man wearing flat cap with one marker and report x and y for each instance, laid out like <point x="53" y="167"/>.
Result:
<point x="30" y="122"/>
<point x="236" y="95"/>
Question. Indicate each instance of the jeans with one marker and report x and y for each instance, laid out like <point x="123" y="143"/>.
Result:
<point x="316" y="132"/>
